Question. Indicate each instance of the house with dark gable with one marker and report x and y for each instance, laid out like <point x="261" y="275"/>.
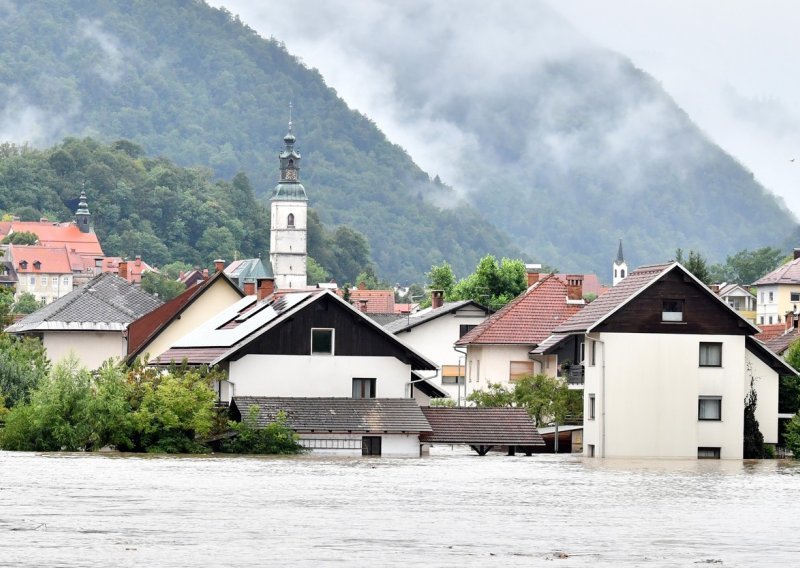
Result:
<point x="668" y="364"/>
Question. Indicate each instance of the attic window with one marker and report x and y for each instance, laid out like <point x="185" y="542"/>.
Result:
<point x="672" y="311"/>
<point x="321" y="341"/>
<point x="23" y="264"/>
<point x="37" y="265"/>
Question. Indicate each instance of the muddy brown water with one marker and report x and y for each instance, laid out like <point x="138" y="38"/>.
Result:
<point x="454" y="509"/>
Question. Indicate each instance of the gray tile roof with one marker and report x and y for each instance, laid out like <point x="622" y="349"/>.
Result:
<point x="338" y="415"/>
<point x="384" y="319"/>
<point x="105" y="303"/>
<point x="407" y="322"/>
<point x="788" y="273"/>
<point x="484" y="426"/>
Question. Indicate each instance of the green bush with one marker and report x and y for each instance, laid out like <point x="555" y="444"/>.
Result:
<point x="274" y="438"/>
<point x="793" y="436"/>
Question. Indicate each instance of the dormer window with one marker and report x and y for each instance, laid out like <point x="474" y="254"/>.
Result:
<point x="23" y="264"/>
<point x="672" y="311"/>
<point x="290" y="220"/>
<point x="37" y="265"/>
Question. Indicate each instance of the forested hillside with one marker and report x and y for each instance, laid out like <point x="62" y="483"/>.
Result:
<point x="195" y="85"/>
<point x="563" y="159"/>
<point x="151" y="207"/>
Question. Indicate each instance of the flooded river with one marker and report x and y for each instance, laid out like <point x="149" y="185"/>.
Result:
<point x="449" y="510"/>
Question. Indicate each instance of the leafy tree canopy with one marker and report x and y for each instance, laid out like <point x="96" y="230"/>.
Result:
<point x="21" y="238"/>
<point x="696" y="264"/>
<point x="26" y="304"/>
<point x="161" y="285"/>
<point x="746" y="266"/>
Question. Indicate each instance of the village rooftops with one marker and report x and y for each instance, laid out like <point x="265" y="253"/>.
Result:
<point x="529" y="318"/>
<point x="225" y="334"/>
<point x="105" y="303"/>
<point x="336" y="415"/>
<point x="56" y="235"/>
<point x="407" y="322"/>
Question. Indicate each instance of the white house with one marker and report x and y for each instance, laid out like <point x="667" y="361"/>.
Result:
<point x="434" y="331"/>
<point x="306" y="345"/>
<point x="667" y="367"/>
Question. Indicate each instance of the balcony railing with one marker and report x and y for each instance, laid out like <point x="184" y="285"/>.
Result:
<point x="574" y="375"/>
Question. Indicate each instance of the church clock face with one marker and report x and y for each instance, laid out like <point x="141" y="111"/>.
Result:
<point x="291" y="175"/>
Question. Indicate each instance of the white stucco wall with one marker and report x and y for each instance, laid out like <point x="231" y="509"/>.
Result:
<point x="92" y="348"/>
<point x="317" y="375"/>
<point x="435" y="340"/>
<point x="288" y="246"/>
<point x="766" y="383"/>
<point x="392" y="445"/>
<point x="647" y="404"/>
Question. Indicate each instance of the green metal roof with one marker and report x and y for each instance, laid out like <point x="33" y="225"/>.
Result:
<point x="289" y="191"/>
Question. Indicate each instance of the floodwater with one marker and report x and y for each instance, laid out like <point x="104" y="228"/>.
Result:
<point x="447" y="510"/>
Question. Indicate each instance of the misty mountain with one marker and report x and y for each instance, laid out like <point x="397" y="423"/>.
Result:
<point x="561" y="145"/>
<point x="195" y="85"/>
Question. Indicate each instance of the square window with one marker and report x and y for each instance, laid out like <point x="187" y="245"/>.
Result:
<point x="464" y="329"/>
<point x="672" y="310"/>
<point x="363" y="388"/>
<point x="322" y="342"/>
<point x="708" y="453"/>
<point x="709" y="408"/>
<point x="591" y="407"/>
<point x="710" y="354"/>
<point x="453" y="374"/>
<point x="519" y="369"/>
<point x="794" y="297"/>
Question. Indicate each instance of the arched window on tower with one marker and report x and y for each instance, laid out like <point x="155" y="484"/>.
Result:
<point x="622" y="273"/>
<point x="290" y="220"/>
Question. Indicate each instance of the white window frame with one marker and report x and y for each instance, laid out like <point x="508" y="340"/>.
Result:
<point x="44" y="280"/>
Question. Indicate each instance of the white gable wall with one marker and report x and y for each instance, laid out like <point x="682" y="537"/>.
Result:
<point x="646" y="396"/>
<point x="317" y="375"/>
<point x="766" y="383"/>
<point x="91" y="347"/>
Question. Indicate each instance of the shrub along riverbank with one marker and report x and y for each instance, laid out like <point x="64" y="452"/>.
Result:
<point x="131" y="409"/>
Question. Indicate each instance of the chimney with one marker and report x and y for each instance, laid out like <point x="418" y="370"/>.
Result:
<point x="219" y="265"/>
<point x="123" y="269"/>
<point x="265" y="288"/>
<point x="533" y="273"/>
<point x="714" y="288"/>
<point x="574" y="286"/>
<point x="796" y="253"/>
<point x="249" y="288"/>
<point x="362" y="286"/>
<point x="205" y="274"/>
<point x="437" y="298"/>
<point x="362" y="305"/>
<point x="138" y="260"/>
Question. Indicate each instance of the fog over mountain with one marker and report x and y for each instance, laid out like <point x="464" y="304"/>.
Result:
<point x="535" y="123"/>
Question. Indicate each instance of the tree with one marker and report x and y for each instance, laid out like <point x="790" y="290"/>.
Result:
<point x="21" y="238"/>
<point x="695" y="264"/>
<point x="745" y="267"/>
<point x="275" y="438"/>
<point x="442" y="277"/>
<point x="161" y="286"/>
<point x="792" y="436"/>
<point x="753" y="440"/>
<point x="493" y="284"/>
<point x="23" y="366"/>
<point x="6" y="304"/>
<point x="546" y="398"/>
<point x="315" y="273"/>
<point x="26" y="304"/>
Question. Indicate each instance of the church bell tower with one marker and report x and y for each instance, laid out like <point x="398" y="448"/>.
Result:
<point x="620" y="267"/>
<point x="289" y="208"/>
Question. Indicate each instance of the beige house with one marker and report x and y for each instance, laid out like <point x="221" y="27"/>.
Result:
<point x="157" y="331"/>
<point x="778" y="292"/>
<point x="44" y="272"/>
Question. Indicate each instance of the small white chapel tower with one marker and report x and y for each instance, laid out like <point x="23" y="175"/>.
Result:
<point x="289" y="207"/>
<point x="620" y="267"/>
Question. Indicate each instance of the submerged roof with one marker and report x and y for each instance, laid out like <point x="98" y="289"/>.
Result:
<point x="470" y="425"/>
<point x="105" y="303"/>
<point x="529" y="318"/>
<point x="337" y="415"/>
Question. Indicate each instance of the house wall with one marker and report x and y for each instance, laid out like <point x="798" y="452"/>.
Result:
<point x="392" y="445"/>
<point x="780" y="304"/>
<point x="56" y="285"/>
<point x="92" y="347"/>
<point x="492" y="363"/>
<point x="211" y="302"/>
<point x="766" y="383"/>
<point x="316" y="375"/>
<point x="435" y="339"/>
<point x="646" y="389"/>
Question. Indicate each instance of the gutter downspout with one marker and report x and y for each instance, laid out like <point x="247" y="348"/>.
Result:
<point x="420" y="380"/>
<point x="602" y="397"/>
<point x="464" y="353"/>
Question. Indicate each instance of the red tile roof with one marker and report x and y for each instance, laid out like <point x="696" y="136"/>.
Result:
<point x="52" y="260"/>
<point x="378" y="301"/>
<point x="591" y="283"/>
<point x="529" y="318"/>
<point x="135" y="268"/>
<point x="780" y="343"/>
<point x="768" y="331"/>
<point x="60" y="235"/>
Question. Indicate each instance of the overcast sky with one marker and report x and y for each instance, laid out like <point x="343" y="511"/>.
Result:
<point x="729" y="63"/>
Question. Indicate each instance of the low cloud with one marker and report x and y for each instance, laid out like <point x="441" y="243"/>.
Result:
<point x="110" y="68"/>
